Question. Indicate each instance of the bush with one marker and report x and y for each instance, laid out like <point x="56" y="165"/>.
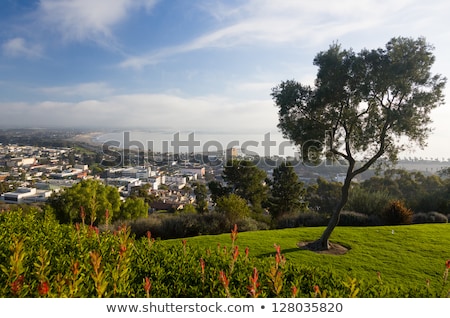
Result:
<point x="167" y="226"/>
<point x="430" y="217"/>
<point x="350" y="218"/>
<point x="250" y="224"/>
<point x="370" y="203"/>
<point x="302" y="219"/>
<point x="396" y="213"/>
<point x="41" y="258"/>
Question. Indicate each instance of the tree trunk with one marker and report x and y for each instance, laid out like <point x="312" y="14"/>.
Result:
<point x="323" y="242"/>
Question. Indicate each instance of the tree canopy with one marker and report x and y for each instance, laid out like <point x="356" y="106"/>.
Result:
<point x="363" y="106"/>
<point x="245" y="179"/>
<point x="90" y="196"/>
<point x="287" y="193"/>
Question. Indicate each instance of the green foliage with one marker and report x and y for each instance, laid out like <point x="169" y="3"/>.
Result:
<point x="323" y="196"/>
<point x="132" y="208"/>
<point x="246" y="180"/>
<point x="287" y="193"/>
<point x="429" y="217"/>
<point x="189" y="209"/>
<point x="351" y="218"/>
<point x="421" y="193"/>
<point x="370" y="104"/>
<point x="201" y="197"/>
<point x="309" y="219"/>
<point x="233" y="207"/>
<point x="369" y="203"/>
<point x="364" y="98"/>
<point x="217" y="190"/>
<point x="396" y="213"/>
<point x="48" y="259"/>
<point x="89" y="199"/>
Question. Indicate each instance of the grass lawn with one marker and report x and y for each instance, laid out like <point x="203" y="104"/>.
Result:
<point x="406" y="255"/>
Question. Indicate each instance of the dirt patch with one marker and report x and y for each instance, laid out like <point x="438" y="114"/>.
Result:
<point x="335" y="248"/>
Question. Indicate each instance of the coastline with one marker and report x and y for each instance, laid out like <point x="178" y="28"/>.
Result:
<point x="88" y="138"/>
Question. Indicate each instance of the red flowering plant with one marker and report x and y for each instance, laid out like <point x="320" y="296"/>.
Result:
<point x="253" y="288"/>
<point x="42" y="268"/>
<point x="16" y="285"/>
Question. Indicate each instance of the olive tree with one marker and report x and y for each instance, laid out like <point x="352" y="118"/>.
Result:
<point x="363" y="107"/>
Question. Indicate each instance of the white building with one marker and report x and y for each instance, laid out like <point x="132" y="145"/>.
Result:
<point x="198" y="171"/>
<point x="142" y="173"/>
<point x="26" y="195"/>
<point x="156" y="181"/>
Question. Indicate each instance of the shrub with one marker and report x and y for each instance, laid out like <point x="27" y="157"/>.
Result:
<point x="430" y="217"/>
<point x="397" y="214"/>
<point x="370" y="203"/>
<point x="301" y="219"/>
<point x="167" y="225"/>
<point x="233" y="207"/>
<point x="287" y="221"/>
<point x="41" y="258"/>
<point x="420" y="218"/>
<point x="438" y="217"/>
<point x="250" y="224"/>
<point x="351" y="218"/>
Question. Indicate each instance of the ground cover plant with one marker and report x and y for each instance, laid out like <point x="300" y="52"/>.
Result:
<point x="41" y="258"/>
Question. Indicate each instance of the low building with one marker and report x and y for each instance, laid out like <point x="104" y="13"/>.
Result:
<point x="21" y="162"/>
<point x="69" y="174"/>
<point x="3" y="176"/>
<point x="26" y="195"/>
<point x="198" y="171"/>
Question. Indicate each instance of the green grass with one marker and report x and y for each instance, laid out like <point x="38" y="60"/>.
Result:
<point x="410" y="256"/>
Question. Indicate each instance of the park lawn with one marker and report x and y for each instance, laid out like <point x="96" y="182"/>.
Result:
<point x="406" y="255"/>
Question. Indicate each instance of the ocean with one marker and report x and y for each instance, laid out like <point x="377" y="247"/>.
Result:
<point x="266" y="144"/>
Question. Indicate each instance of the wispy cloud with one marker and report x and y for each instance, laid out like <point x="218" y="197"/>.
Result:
<point x="80" y="20"/>
<point x="19" y="47"/>
<point x="268" y="23"/>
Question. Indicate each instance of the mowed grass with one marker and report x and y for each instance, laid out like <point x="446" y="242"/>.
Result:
<point x="407" y="255"/>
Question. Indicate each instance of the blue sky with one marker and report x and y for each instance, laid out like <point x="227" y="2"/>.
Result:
<point x="179" y="65"/>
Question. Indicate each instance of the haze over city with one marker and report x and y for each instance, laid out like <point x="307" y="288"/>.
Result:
<point x="192" y="66"/>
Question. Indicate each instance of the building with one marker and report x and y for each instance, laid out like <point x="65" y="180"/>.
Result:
<point x="26" y="195"/>
<point x="69" y="174"/>
<point x="231" y="153"/>
<point x="21" y="162"/>
<point x="199" y="172"/>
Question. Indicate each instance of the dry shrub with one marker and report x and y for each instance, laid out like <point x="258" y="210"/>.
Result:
<point x="396" y="213"/>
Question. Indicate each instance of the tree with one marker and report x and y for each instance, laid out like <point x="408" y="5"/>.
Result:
<point x="201" y="197"/>
<point x="233" y="207"/>
<point x="322" y="195"/>
<point x="132" y="208"/>
<point x="91" y="196"/>
<point x="286" y="192"/>
<point x="364" y="106"/>
<point x="217" y="190"/>
<point x="245" y="179"/>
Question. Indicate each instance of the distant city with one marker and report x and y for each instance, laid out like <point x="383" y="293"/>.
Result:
<point x="36" y="163"/>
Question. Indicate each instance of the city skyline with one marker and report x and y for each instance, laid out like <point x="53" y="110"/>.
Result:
<point x="202" y="66"/>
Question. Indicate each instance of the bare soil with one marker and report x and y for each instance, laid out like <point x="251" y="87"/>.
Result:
<point x="335" y="248"/>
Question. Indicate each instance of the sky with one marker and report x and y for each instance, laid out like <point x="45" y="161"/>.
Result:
<point x="205" y="66"/>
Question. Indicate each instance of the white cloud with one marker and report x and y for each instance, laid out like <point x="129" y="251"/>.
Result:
<point x="153" y="111"/>
<point x="19" y="47"/>
<point x="86" y="19"/>
<point x="268" y="23"/>
<point x="302" y="24"/>
<point x="85" y="90"/>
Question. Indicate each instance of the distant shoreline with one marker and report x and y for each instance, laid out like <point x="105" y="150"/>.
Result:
<point x="88" y="138"/>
